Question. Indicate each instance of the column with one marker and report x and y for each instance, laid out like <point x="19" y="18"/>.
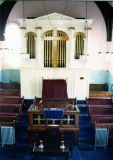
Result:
<point x="39" y="47"/>
<point x="54" y="49"/>
<point x="71" y="48"/>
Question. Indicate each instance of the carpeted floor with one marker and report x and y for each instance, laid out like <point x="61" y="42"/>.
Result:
<point x="84" y="151"/>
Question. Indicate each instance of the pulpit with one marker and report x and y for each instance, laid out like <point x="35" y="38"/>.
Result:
<point x="54" y="110"/>
<point x="54" y="114"/>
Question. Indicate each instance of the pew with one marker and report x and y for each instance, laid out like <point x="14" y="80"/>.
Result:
<point x="101" y="111"/>
<point x="100" y="94"/>
<point x="4" y="85"/>
<point x="108" y="125"/>
<point x="9" y="92"/>
<point x="14" y="109"/>
<point x="102" y="119"/>
<point x="10" y="109"/>
<point x="99" y="101"/>
<point x="10" y="85"/>
<point x="8" y="120"/>
<point x="15" y="85"/>
<point x="99" y="90"/>
<point x="11" y="100"/>
<point x="98" y="87"/>
<point x="11" y="103"/>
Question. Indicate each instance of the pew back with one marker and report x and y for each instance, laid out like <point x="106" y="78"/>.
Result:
<point x="9" y="92"/>
<point x="102" y="101"/>
<point x="11" y="100"/>
<point x="101" y="111"/>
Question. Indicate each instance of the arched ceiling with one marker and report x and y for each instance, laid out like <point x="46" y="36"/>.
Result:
<point x="104" y="6"/>
<point x="107" y="12"/>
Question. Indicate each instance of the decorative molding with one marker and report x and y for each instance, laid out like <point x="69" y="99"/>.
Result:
<point x="73" y="28"/>
<point x="22" y="27"/>
<point x="87" y="28"/>
<point x="38" y="27"/>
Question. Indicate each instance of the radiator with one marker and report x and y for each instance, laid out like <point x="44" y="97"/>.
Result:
<point x="101" y="137"/>
<point x="7" y="135"/>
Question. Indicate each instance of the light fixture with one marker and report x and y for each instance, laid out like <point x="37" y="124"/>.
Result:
<point x="46" y="13"/>
<point x="107" y="52"/>
<point x="23" y="20"/>
<point x="86" y="21"/>
<point x="108" y="49"/>
<point x="63" y="12"/>
<point x="60" y="20"/>
<point x="86" y="27"/>
<point x="23" y="26"/>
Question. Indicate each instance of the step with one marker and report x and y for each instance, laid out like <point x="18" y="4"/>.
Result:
<point x="86" y="147"/>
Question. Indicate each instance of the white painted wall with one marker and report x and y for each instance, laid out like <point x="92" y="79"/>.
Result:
<point x="32" y="78"/>
<point x="32" y="70"/>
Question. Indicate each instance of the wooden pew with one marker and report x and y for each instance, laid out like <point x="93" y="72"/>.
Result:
<point x="14" y="109"/>
<point x="102" y="119"/>
<point x="10" y="85"/>
<point x="101" y="111"/>
<point x="99" y="90"/>
<point x="97" y="94"/>
<point x="10" y="103"/>
<point x="9" y="92"/>
<point x="8" y="120"/>
<point x="15" y="85"/>
<point x="4" y="85"/>
<point x="99" y="101"/>
<point x="10" y="109"/>
<point x="11" y="100"/>
<point x="109" y="125"/>
<point x="98" y="87"/>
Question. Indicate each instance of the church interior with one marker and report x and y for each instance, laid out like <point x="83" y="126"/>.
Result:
<point x="56" y="80"/>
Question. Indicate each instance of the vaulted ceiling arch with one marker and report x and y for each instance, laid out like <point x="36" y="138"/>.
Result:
<point x="105" y="8"/>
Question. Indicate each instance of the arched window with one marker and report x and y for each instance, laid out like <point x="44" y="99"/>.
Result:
<point x="55" y="48"/>
<point x="79" y="44"/>
<point x="31" y="44"/>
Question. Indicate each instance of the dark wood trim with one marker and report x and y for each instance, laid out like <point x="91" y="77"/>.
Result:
<point x="107" y="12"/>
<point x="5" y="10"/>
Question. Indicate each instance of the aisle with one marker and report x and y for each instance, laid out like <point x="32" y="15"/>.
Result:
<point x="86" y="134"/>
